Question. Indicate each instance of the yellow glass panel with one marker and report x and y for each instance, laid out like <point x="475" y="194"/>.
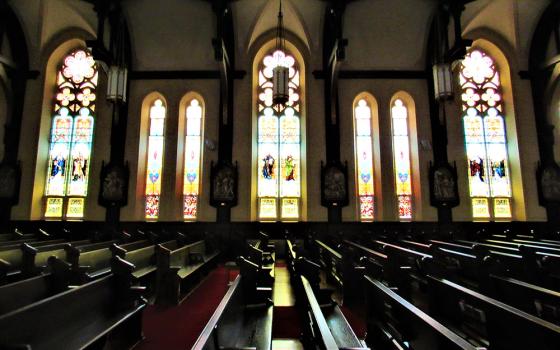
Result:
<point x="502" y="208"/>
<point x="75" y="208"/>
<point x="54" y="208"/>
<point x="267" y="208"/>
<point x="480" y="208"/>
<point x="290" y="208"/>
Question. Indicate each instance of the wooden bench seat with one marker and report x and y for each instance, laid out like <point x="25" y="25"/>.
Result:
<point x="104" y="310"/>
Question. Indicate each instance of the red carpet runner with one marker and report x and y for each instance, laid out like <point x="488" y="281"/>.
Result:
<point x="286" y="323"/>
<point x="357" y="322"/>
<point x="178" y="327"/>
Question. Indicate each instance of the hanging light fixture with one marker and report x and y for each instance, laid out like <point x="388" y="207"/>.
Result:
<point x="280" y="73"/>
<point x="116" y="85"/>
<point x="118" y="72"/>
<point x="443" y="81"/>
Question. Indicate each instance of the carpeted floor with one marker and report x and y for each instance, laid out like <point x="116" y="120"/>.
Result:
<point x="178" y="327"/>
<point x="356" y="321"/>
<point x="286" y="323"/>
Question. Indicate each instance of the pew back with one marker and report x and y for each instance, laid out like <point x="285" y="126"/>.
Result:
<point x="236" y="325"/>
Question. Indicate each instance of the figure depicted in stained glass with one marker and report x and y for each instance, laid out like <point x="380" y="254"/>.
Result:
<point x="79" y="167"/>
<point x="499" y="168"/>
<point x="71" y="135"/>
<point x="290" y="168"/>
<point x="278" y="141"/>
<point x="477" y="168"/>
<point x="268" y="167"/>
<point x="485" y="136"/>
<point x="58" y="165"/>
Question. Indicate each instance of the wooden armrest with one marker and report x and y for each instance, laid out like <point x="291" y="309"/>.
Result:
<point x="28" y="248"/>
<point x="118" y="251"/>
<point x="4" y="263"/>
<point x="119" y="266"/>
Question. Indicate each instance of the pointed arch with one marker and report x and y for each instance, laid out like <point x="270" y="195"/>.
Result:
<point x="189" y="153"/>
<point x="279" y="134"/>
<point x="152" y="150"/>
<point x="366" y="145"/>
<point x="71" y="136"/>
<point x="405" y="155"/>
<point x="486" y="137"/>
<point x="266" y="20"/>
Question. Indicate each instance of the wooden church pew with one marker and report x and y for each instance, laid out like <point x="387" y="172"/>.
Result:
<point x="90" y="261"/>
<point x="11" y="259"/>
<point x="16" y="243"/>
<point x="405" y="267"/>
<point x="142" y="257"/>
<point x="541" y="302"/>
<point x="25" y="292"/>
<point x="325" y="324"/>
<point x="101" y="311"/>
<point x="524" y="263"/>
<point x="122" y="249"/>
<point x="331" y="260"/>
<point x="501" y="325"/>
<point x="35" y="256"/>
<point x="544" y="243"/>
<point x="359" y="261"/>
<point x="517" y="245"/>
<point x="238" y="322"/>
<point x="265" y="262"/>
<point x="394" y="323"/>
<point x="180" y="266"/>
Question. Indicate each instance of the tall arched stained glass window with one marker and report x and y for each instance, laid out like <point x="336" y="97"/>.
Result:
<point x="191" y="176"/>
<point x="485" y="137"/>
<point x="364" y="158"/>
<point x="71" y="136"/>
<point x="401" y="159"/>
<point x="279" y="149"/>
<point x="154" y="171"/>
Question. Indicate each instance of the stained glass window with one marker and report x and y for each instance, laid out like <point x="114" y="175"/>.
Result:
<point x="279" y="149"/>
<point x="191" y="176"/>
<point x="485" y="137"/>
<point x="401" y="159"/>
<point x="71" y="137"/>
<point x="154" y="171"/>
<point x="364" y="159"/>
